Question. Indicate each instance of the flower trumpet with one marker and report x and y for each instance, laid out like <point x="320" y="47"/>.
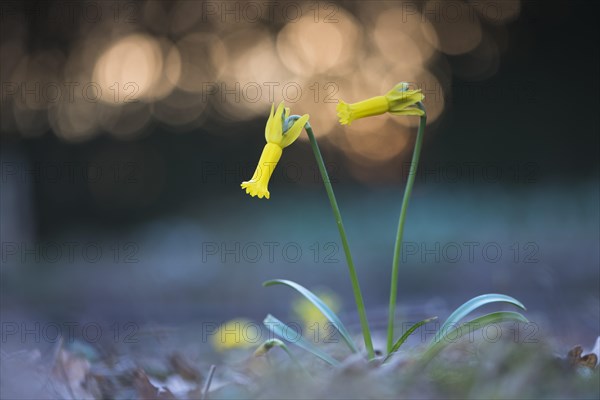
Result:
<point x="398" y="101"/>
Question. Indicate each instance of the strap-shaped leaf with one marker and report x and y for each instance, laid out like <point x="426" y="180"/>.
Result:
<point x="325" y="310"/>
<point x="405" y="336"/>
<point x="280" y="329"/>
<point x="469" y="327"/>
<point x="472" y="305"/>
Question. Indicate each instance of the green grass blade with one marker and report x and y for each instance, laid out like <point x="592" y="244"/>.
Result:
<point x="325" y="310"/>
<point x="469" y="327"/>
<point x="473" y="304"/>
<point x="280" y="329"/>
<point x="403" y="338"/>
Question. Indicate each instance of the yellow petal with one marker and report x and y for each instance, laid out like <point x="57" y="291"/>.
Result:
<point x="399" y="88"/>
<point x="409" y="111"/>
<point x="403" y="99"/>
<point x="269" y="121"/>
<point x="274" y="131"/>
<point x="407" y="98"/>
<point x="294" y="131"/>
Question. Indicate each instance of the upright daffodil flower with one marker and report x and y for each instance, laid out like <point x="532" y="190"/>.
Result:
<point x="281" y="131"/>
<point x="399" y="101"/>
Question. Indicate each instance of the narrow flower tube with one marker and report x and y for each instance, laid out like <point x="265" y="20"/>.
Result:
<point x="277" y="139"/>
<point x="366" y="108"/>
<point x="399" y="101"/>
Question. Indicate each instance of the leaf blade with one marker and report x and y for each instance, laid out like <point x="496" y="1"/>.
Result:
<point x="405" y="336"/>
<point x="493" y="318"/>
<point x="321" y="306"/>
<point x="471" y="305"/>
<point x="278" y="328"/>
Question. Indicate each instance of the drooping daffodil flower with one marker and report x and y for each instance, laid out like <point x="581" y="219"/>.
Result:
<point x="398" y="101"/>
<point x="281" y="131"/>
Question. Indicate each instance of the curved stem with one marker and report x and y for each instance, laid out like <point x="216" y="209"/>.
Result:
<point x="398" y="246"/>
<point x="338" y="219"/>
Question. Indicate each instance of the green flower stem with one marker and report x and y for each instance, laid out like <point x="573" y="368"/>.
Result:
<point x="338" y="219"/>
<point x="398" y="246"/>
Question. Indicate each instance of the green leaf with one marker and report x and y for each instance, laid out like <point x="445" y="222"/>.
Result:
<point x="280" y="329"/>
<point x="473" y="304"/>
<point x="469" y="327"/>
<point x="403" y="338"/>
<point x="327" y="312"/>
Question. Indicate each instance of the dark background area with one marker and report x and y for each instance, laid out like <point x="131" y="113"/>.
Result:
<point x="542" y="102"/>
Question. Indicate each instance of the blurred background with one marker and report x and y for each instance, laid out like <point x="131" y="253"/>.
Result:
<point x="128" y="126"/>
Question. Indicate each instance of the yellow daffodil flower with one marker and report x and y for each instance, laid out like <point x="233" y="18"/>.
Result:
<point x="279" y="134"/>
<point x="311" y="317"/>
<point x="234" y="334"/>
<point x="398" y="101"/>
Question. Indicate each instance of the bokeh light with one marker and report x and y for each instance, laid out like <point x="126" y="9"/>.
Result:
<point x="182" y="64"/>
<point x="309" y="48"/>
<point x="129" y="70"/>
<point x="457" y="25"/>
